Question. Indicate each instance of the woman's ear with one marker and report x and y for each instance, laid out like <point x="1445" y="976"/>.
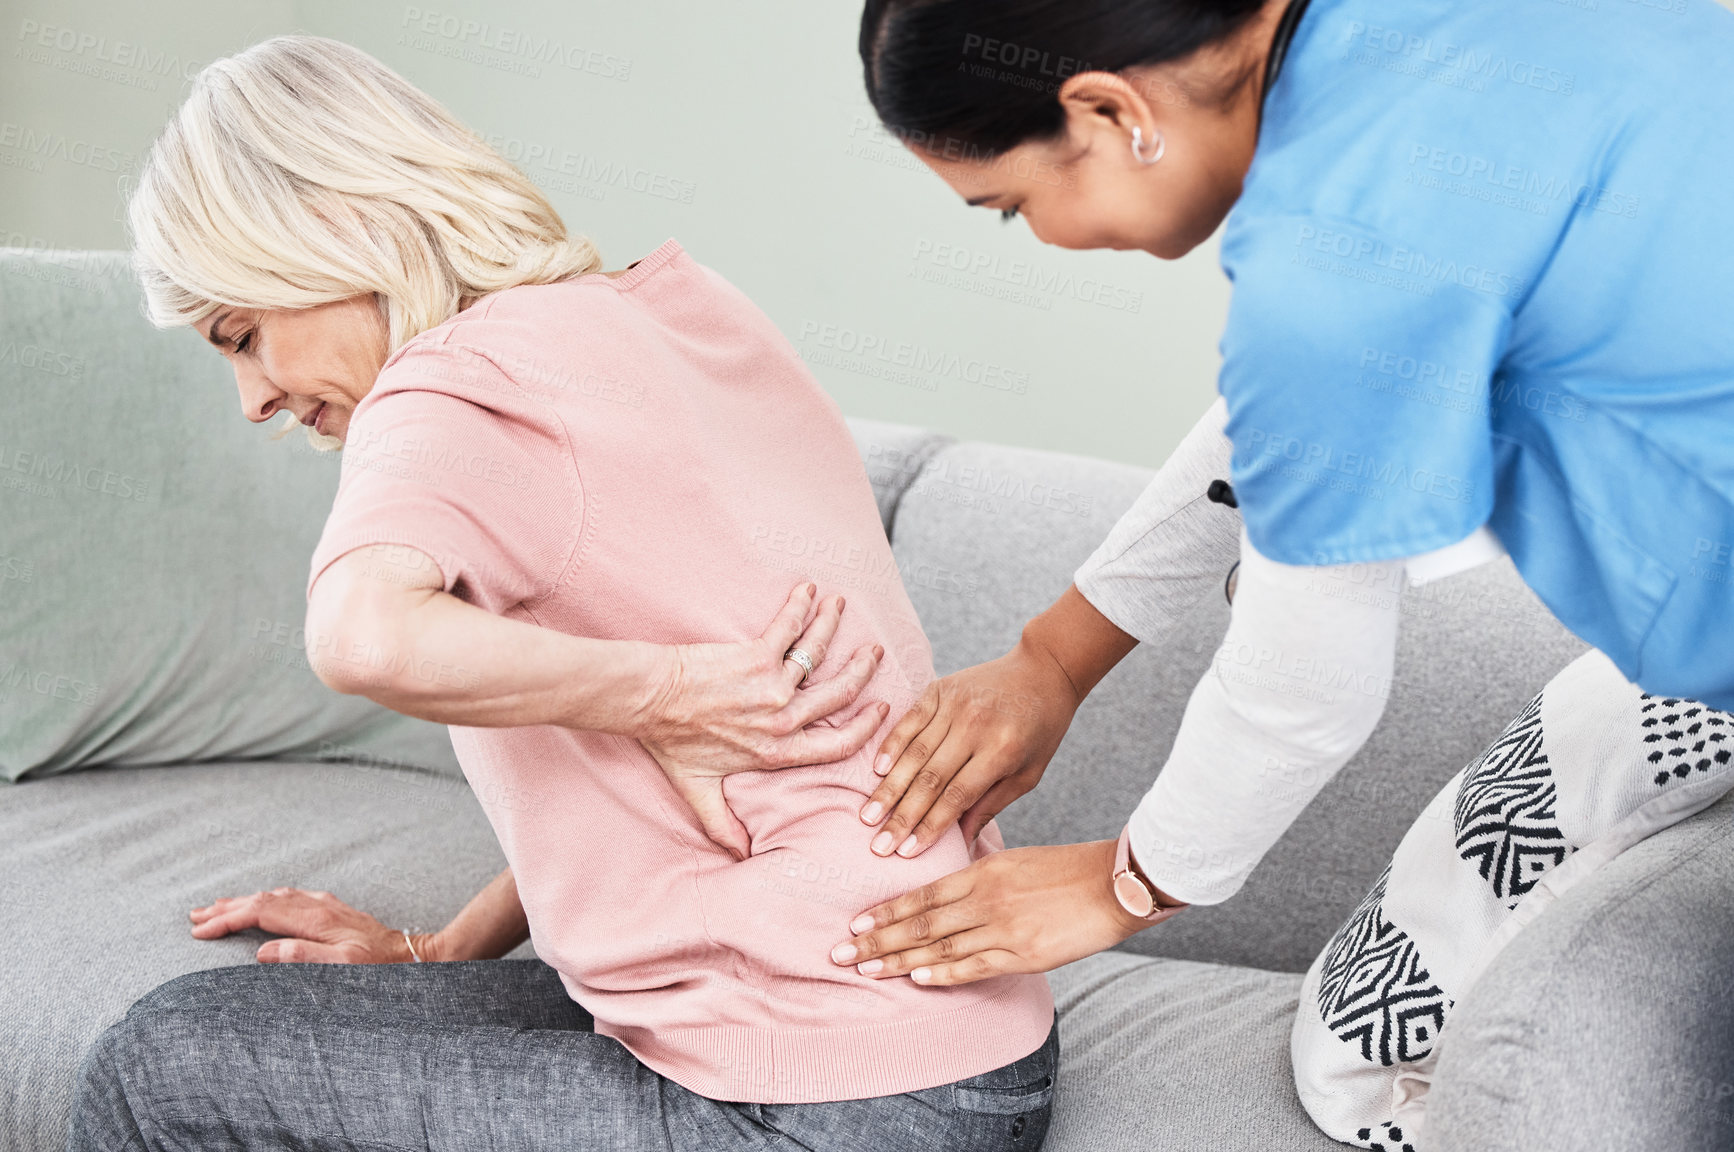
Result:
<point x="1098" y="101"/>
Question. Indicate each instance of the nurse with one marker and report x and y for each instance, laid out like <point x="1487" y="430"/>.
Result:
<point x="1482" y="304"/>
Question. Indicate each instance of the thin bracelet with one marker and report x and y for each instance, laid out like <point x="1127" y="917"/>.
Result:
<point x="410" y="944"/>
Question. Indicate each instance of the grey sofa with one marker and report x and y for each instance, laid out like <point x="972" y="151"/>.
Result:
<point x="153" y="550"/>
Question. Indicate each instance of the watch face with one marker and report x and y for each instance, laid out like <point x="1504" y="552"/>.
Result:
<point x="1133" y="896"/>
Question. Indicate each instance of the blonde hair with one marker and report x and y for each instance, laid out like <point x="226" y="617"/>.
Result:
<point x="303" y="171"/>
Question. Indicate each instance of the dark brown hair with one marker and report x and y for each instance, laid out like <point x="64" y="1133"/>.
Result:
<point x="984" y="74"/>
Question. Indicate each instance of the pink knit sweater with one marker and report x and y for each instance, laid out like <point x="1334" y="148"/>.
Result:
<point x="646" y="457"/>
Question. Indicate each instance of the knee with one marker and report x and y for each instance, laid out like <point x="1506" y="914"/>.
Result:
<point x="193" y="992"/>
<point x="103" y="1119"/>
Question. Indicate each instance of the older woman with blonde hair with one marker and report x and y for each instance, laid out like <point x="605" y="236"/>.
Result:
<point x="562" y="479"/>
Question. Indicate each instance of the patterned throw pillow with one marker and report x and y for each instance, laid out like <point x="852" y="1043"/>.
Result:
<point x="1592" y="766"/>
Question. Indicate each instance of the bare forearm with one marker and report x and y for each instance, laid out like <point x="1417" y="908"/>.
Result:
<point x="425" y="653"/>
<point x="454" y="663"/>
<point x="1084" y="643"/>
<point x="490" y="925"/>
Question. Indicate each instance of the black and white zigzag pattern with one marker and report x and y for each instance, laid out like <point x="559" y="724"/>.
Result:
<point x="1506" y="825"/>
<point x="1374" y="990"/>
<point x="1685" y="737"/>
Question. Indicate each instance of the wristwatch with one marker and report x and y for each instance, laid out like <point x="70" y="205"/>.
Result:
<point x="1133" y="889"/>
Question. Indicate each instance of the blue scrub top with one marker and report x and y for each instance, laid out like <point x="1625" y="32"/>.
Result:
<point x="1483" y="272"/>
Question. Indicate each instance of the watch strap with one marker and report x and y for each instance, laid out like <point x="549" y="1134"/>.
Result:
<point x="1126" y="866"/>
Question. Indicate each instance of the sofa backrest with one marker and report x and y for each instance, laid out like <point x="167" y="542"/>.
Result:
<point x="127" y="479"/>
<point x="987" y="536"/>
<point x="154" y="547"/>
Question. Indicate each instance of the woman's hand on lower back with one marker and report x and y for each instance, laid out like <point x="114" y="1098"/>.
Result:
<point x="726" y="708"/>
<point x="313" y="928"/>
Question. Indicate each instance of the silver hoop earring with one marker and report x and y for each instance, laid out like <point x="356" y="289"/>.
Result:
<point x="1138" y="145"/>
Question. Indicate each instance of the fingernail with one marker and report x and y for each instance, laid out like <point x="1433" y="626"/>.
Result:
<point x="883" y="764"/>
<point x="844" y="953"/>
<point x="812" y="589"/>
<point x="907" y="848"/>
<point x="861" y="923"/>
<point x="872" y="813"/>
<point x="921" y="975"/>
<point x="840" y="603"/>
<point x="882" y="844"/>
<point x="879" y="653"/>
<point x="869" y="967"/>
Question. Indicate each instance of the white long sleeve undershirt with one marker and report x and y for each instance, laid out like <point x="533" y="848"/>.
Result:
<point x="1297" y="686"/>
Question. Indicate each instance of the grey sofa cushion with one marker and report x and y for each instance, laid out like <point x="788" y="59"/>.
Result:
<point x="1171" y="1054"/>
<point x="893" y="455"/>
<point x="1011" y="525"/>
<point x="1609" y="1022"/>
<point x="98" y="870"/>
<point x="155" y="547"/>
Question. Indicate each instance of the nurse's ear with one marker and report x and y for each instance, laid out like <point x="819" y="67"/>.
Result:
<point x="1104" y="108"/>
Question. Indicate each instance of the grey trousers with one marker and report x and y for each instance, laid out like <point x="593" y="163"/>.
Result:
<point x="486" y="1055"/>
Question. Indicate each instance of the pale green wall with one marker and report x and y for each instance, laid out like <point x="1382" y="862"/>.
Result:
<point x="73" y="121"/>
<point x="755" y="107"/>
<point x="750" y="114"/>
